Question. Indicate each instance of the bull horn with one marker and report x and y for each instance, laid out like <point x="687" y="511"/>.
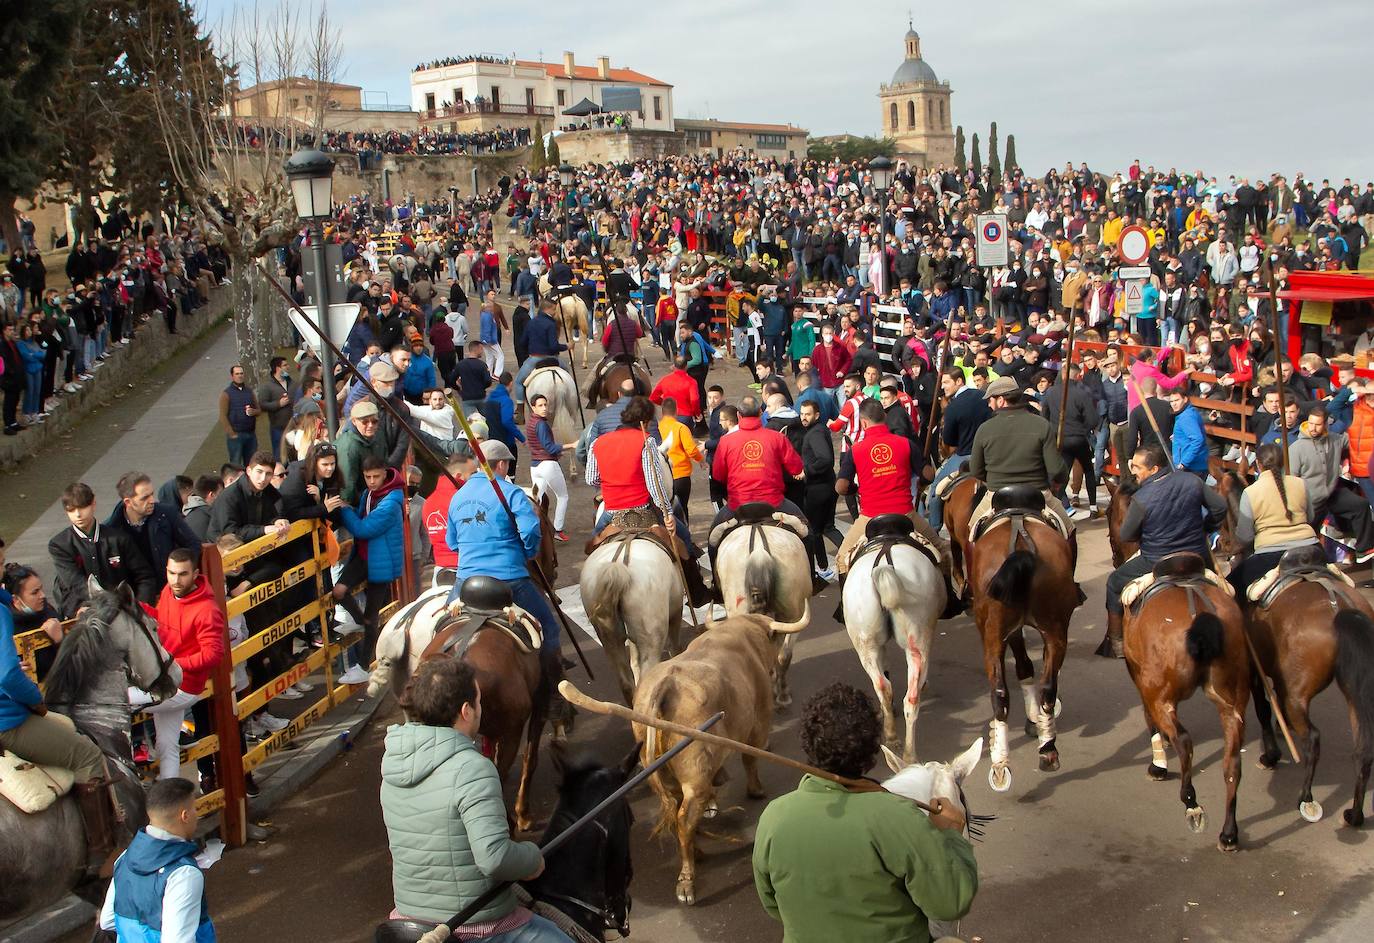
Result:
<point x="788" y="628"/>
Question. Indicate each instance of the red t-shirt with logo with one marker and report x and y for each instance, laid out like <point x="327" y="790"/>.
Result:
<point x="436" y="522"/>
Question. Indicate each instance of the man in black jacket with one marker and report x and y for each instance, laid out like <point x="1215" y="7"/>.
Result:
<point x="87" y="549"/>
<point x="819" y="497"/>
<point x="1080" y="428"/>
<point x="156" y="528"/>
<point x="963" y="415"/>
<point x="1139" y="432"/>
<point x="250" y="506"/>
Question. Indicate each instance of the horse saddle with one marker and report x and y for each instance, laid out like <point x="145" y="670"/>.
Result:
<point x="1014" y="503"/>
<point x="626" y="535"/>
<point x="30" y="787"/>
<point x="886" y="531"/>
<point x="761" y="514"/>
<point x="1297" y="565"/>
<point x="459" y="631"/>
<point x="1177" y="569"/>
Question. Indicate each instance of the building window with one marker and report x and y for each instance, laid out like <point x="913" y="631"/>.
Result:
<point x="295" y="103"/>
<point x="658" y="108"/>
<point x="911" y="114"/>
<point x="458" y="94"/>
<point x="771" y="142"/>
<point x="892" y="115"/>
<point x="944" y="118"/>
<point x="562" y="98"/>
<point x="429" y="101"/>
<point x="310" y="101"/>
<point x="529" y="100"/>
<point x="930" y="113"/>
<point x="496" y="95"/>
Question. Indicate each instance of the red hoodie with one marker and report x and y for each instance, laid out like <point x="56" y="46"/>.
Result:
<point x="193" y="631"/>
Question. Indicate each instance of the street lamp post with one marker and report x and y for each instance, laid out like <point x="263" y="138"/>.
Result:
<point x="880" y="168"/>
<point x="311" y="174"/>
<point x="565" y="179"/>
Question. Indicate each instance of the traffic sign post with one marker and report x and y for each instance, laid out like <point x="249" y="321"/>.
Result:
<point x="1134" y="245"/>
<point x="991" y="231"/>
<point x="1135" y="297"/>
<point x="1133" y="272"/>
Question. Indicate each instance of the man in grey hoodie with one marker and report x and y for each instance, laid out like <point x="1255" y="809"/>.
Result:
<point x="1316" y="458"/>
<point x="445" y="819"/>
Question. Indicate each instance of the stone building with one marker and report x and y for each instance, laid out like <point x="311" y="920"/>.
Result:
<point x="915" y="110"/>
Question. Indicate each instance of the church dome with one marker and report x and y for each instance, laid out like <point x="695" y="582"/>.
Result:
<point x="914" y="70"/>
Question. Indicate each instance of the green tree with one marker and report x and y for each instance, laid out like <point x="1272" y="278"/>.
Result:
<point x="538" y="158"/>
<point x="554" y="159"/>
<point x="960" y="157"/>
<point x="1010" y="163"/>
<point x="994" y="161"/>
<point x="35" y="45"/>
<point x="977" y="158"/>
<point x="851" y="148"/>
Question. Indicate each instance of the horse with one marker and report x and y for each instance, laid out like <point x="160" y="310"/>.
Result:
<point x="516" y="691"/>
<point x="766" y="569"/>
<point x="1314" y="631"/>
<point x="959" y="504"/>
<point x="565" y="410"/>
<point x="1020" y="572"/>
<point x="572" y="315"/>
<point x="604" y="388"/>
<point x="585" y="887"/>
<point x="895" y="592"/>
<point x="633" y="596"/>
<point x="1186" y="633"/>
<point x="923" y="782"/>
<point x="547" y="555"/>
<point x="114" y="643"/>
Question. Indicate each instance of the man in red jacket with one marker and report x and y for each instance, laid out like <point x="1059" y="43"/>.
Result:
<point x="751" y="462"/>
<point x="681" y="387"/>
<point x="830" y="359"/>
<point x="192" y="628"/>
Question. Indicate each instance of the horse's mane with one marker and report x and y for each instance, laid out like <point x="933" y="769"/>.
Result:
<point x="82" y="652"/>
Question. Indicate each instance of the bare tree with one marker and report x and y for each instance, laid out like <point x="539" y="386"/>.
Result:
<point x="227" y="165"/>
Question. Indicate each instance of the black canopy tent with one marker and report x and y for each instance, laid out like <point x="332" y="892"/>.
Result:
<point x="583" y="108"/>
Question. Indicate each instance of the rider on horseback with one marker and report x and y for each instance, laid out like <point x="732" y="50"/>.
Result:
<point x="541" y="340"/>
<point x="27" y="730"/>
<point x="1170" y="513"/>
<point x="480" y="532"/>
<point x="625" y="465"/>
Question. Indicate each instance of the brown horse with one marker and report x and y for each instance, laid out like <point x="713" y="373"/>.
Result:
<point x="963" y="497"/>
<point x="1315" y="631"/>
<point x="1020" y="572"/>
<point x="605" y="389"/>
<point x="1183" y="634"/>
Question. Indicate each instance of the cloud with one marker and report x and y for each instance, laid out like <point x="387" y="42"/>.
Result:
<point x="1226" y="86"/>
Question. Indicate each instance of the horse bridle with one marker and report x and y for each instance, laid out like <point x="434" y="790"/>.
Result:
<point x="164" y="665"/>
<point x="604" y="912"/>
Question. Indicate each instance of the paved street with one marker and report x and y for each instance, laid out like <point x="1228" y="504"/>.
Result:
<point x="1094" y="851"/>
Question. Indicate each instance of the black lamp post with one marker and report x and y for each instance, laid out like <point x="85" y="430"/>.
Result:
<point x="311" y="174"/>
<point x="566" y="174"/>
<point x="880" y="169"/>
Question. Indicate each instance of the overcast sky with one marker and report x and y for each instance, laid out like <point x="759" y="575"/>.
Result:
<point x="1222" y="85"/>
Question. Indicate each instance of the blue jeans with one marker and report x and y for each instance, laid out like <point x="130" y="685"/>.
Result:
<point x="529" y="598"/>
<point x="1100" y="448"/>
<point x="935" y="507"/>
<point x="241" y="447"/>
<point x="538" y="930"/>
<point x="276" y="435"/>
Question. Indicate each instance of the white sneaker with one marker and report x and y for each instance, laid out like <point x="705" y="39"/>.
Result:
<point x="1080" y="514"/>
<point x="1333" y="533"/>
<point x="346" y="628"/>
<point x="303" y="687"/>
<point x="272" y="723"/>
<point x="355" y="675"/>
<point x="290" y="694"/>
<point x="828" y="574"/>
<point x="70" y="388"/>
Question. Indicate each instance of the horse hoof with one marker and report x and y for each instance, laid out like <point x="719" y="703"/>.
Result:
<point x="1228" y="845"/>
<point x="784" y="699"/>
<point x="1197" y="819"/>
<point x="1049" y="762"/>
<point x="686" y="892"/>
<point x="1157" y="773"/>
<point x="1354" y="818"/>
<point x="1267" y="761"/>
<point x="999" y="778"/>
<point x="1310" y="811"/>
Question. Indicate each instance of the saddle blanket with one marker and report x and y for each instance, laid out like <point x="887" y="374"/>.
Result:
<point x="795" y="524"/>
<point x="1262" y="585"/>
<point x="1138" y="585"/>
<point x="32" y="788"/>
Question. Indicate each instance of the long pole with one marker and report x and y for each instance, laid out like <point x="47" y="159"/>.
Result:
<point x="444" y="930"/>
<point x="882" y="242"/>
<point x="1064" y="379"/>
<point x="532" y="565"/>
<point x="1280" y="354"/>
<point x="935" y="401"/>
<point x="331" y="393"/>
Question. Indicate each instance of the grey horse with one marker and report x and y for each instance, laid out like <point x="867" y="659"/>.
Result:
<point x="113" y="644"/>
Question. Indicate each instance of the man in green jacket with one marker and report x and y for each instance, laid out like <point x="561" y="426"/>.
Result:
<point x="445" y="820"/>
<point x="835" y="865"/>
<point x="1017" y="447"/>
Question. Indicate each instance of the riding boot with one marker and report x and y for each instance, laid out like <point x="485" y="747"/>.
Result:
<point x="1073" y="565"/>
<point x="1111" y="646"/>
<point x="838" y="614"/>
<point x="698" y="593"/>
<point x="714" y="590"/>
<point x="97" y="816"/>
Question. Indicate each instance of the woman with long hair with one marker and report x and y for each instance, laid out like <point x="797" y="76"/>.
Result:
<point x="1273" y="517"/>
<point x="303" y="432"/>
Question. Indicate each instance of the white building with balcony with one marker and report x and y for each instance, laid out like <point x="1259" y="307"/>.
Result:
<point x="492" y="88"/>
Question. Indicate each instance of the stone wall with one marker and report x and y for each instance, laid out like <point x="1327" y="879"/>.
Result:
<point x="615" y="147"/>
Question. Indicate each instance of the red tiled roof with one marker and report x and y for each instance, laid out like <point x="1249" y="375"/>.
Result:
<point x="589" y="73"/>
<point x="740" y="125"/>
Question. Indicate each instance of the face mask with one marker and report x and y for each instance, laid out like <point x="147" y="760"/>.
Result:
<point x="23" y="607"/>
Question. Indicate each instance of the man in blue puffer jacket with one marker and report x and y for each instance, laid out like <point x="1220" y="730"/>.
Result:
<point x="378" y="524"/>
<point x="158" y="891"/>
<point x="1189" y="439"/>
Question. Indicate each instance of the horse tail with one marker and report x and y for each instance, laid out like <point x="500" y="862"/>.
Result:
<point x="1011" y="584"/>
<point x="1206" y="639"/>
<point x="1355" y="672"/>
<point x="889" y="587"/>
<point x="603" y="600"/>
<point x="758" y="581"/>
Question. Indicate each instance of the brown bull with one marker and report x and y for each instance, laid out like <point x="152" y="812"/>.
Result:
<point x="729" y="668"/>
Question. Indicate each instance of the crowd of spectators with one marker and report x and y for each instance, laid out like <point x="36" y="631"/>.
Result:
<point x="368" y="144"/>
<point x="459" y="60"/>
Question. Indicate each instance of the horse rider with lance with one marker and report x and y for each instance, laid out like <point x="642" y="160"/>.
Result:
<point x="881" y="464"/>
<point x="29" y="732"/>
<point x="1016" y="447"/>
<point x="1169" y="513"/>
<point x="541" y="340"/>
<point x="625" y="464"/>
<point x="480" y="531"/>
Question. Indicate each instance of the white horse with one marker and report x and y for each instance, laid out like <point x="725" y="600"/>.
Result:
<point x="572" y="313"/>
<point x="565" y="406"/>
<point x="901" y="599"/>
<point x="403" y="639"/>
<point x="633" y="596"/>
<point x="766" y="569"/>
